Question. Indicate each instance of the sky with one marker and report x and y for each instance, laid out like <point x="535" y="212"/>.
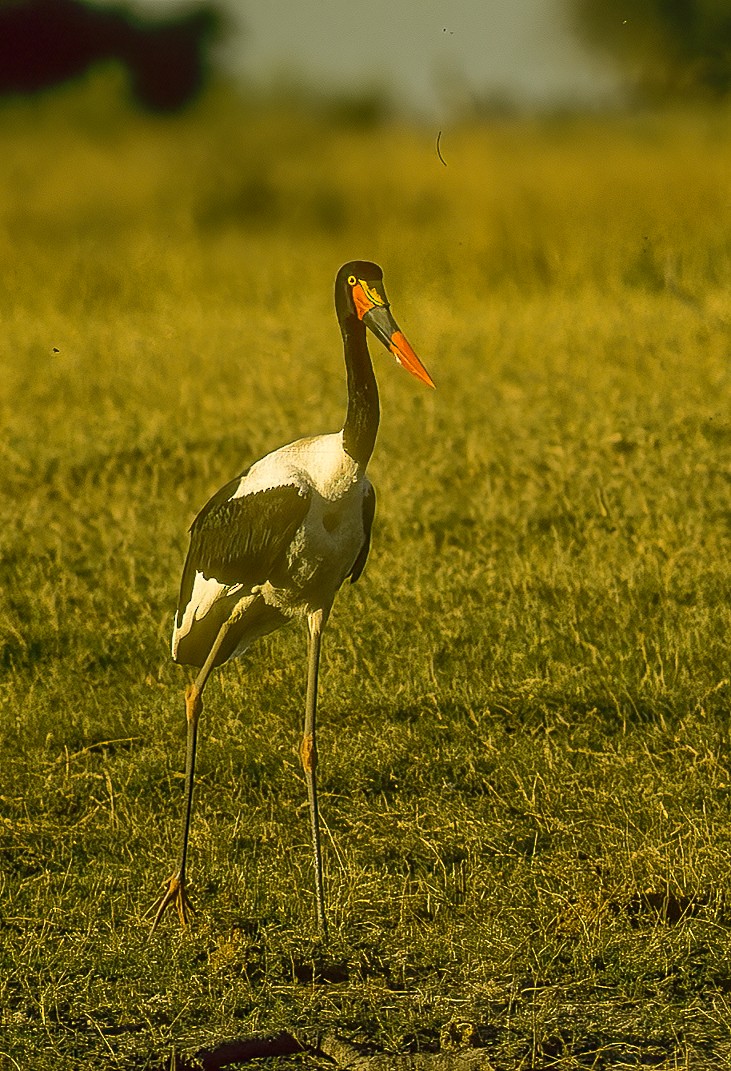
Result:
<point x="432" y="55"/>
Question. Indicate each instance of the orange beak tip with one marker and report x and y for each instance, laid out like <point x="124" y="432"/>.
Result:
<point x="406" y="357"/>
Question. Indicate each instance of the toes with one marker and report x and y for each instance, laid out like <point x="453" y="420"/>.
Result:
<point x="174" y="894"/>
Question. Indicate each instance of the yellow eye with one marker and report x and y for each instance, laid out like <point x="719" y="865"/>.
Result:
<point x="352" y="280"/>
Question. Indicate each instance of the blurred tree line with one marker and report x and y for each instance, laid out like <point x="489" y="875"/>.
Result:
<point x="669" y="49"/>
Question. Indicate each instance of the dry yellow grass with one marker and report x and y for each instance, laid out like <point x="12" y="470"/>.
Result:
<point x="527" y="793"/>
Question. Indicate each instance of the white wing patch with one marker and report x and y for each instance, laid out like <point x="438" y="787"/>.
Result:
<point x="206" y="592"/>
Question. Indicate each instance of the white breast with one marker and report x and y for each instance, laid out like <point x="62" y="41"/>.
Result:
<point x="319" y="463"/>
<point x="323" y="549"/>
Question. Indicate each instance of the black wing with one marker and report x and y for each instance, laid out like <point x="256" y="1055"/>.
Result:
<point x="369" y="509"/>
<point x="240" y="540"/>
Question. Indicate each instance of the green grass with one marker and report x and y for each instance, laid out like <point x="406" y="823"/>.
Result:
<point x="524" y="702"/>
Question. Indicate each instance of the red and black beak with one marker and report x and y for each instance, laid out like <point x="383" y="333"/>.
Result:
<point x="373" y="309"/>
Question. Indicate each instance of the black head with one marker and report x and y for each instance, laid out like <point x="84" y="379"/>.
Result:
<point x="350" y="275"/>
<point x="360" y="298"/>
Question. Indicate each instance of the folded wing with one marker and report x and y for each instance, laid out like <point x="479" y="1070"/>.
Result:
<point x="241" y="540"/>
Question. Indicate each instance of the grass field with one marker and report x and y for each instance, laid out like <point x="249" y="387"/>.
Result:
<point x="524" y="739"/>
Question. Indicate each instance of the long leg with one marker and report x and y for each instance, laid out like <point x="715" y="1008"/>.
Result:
<point x="308" y="754"/>
<point x="175" y="892"/>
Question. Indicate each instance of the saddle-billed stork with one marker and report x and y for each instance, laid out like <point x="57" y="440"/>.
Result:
<point x="278" y="541"/>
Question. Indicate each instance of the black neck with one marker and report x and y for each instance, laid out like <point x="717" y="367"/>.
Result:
<point x="361" y="420"/>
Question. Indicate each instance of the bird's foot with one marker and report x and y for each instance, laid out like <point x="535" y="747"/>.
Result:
<point x="174" y="894"/>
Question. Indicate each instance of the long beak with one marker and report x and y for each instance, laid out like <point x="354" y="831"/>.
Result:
<point x="380" y="321"/>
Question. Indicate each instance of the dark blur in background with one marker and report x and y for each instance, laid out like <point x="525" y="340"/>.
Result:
<point x="44" y="43"/>
<point x="470" y="55"/>
<point x="668" y="50"/>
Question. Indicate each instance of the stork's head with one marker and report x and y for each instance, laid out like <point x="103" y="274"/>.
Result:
<point x="360" y="295"/>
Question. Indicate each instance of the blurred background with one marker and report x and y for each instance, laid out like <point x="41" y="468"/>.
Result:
<point x="429" y="59"/>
